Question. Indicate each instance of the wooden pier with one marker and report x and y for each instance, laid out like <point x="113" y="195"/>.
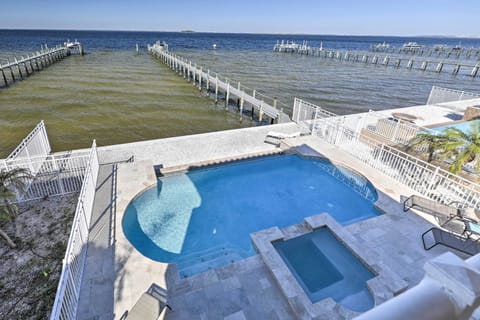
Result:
<point x="252" y="103"/>
<point x="21" y="68"/>
<point x="396" y="60"/>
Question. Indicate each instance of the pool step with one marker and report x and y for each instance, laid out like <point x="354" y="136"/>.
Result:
<point x="208" y="259"/>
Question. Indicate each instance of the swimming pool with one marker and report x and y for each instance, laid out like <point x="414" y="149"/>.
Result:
<point x="465" y="126"/>
<point x="325" y="268"/>
<point x="202" y="219"/>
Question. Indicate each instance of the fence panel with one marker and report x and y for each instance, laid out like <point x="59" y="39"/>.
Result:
<point x="304" y="113"/>
<point x="35" y="145"/>
<point x="68" y="291"/>
<point x="57" y="174"/>
<point x="440" y="95"/>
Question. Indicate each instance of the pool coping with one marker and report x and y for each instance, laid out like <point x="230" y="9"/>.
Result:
<point x="385" y="285"/>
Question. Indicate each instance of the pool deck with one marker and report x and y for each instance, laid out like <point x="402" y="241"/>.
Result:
<point x="116" y="274"/>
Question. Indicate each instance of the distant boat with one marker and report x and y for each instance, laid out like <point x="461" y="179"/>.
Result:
<point x="214" y="46"/>
<point x="380" y="46"/>
<point x="411" y="46"/>
<point x="458" y="47"/>
<point x="440" y="47"/>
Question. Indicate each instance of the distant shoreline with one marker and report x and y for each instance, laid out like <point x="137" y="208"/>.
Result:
<point x="247" y="33"/>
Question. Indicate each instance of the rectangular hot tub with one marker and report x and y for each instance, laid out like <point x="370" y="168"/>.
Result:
<point x="324" y="268"/>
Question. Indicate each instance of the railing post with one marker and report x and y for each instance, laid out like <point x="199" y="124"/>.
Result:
<point x="395" y="131"/>
<point x="59" y="181"/>
<point x="432" y="181"/>
<point x="216" y="88"/>
<point x="241" y="105"/>
<point x="208" y="80"/>
<point x="227" y="95"/>
<point x="200" y="79"/>
<point x="313" y="130"/>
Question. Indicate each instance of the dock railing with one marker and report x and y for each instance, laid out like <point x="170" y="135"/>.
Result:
<point x="212" y="82"/>
<point x="441" y="95"/>
<point x="397" y="60"/>
<point x="421" y="176"/>
<point x="68" y="290"/>
<point x="22" y="67"/>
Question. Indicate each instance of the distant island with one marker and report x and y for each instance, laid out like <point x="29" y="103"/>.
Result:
<point x="187" y="31"/>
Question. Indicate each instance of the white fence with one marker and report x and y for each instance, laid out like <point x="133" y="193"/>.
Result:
<point x="52" y="174"/>
<point x="421" y="176"/>
<point x="387" y="127"/>
<point x="304" y="113"/>
<point x="35" y="145"/>
<point x="440" y="95"/>
<point x="68" y="291"/>
<point x="380" y="125"/>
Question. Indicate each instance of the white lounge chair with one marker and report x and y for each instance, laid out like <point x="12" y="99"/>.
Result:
<point x="149" y="306"/>
<point x="443" y="213"/>
<point x="274" y="137"/>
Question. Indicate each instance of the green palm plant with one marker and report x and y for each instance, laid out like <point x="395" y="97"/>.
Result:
<point x="452" y="143"/>
<point x="462" y="147"/>
<point x="428" y="143"/>
<point x="11" y="182"/>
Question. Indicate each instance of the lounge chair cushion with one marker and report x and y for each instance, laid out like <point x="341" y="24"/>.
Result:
<point x="146" y="308"/>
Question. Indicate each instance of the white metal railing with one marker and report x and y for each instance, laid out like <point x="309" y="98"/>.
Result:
<point x="421" y="176"/>
<point x="51" y="174"/>
<point x="35" y="145"/>
<point x="68" y="290"/>
<point x="382" y="125"/>
<point x="347" y="133"/>
<point x="389" y="127"/>
<point x="304" y="113"/>
<point x="440" y="95"/>
<point x="59" y="174"/>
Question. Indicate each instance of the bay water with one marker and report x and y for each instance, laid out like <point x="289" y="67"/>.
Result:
<point x="116" y="95"/>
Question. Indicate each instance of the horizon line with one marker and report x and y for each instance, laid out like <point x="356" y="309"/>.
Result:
<point x="239" y="32"/>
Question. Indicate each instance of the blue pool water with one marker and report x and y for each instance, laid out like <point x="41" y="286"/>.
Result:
<point x="202" y="219"/>
<point x="325" y="268"/>
<point x="466" y="126"/>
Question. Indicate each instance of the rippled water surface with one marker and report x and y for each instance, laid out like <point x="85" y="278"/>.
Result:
<point x="114" y="95"/>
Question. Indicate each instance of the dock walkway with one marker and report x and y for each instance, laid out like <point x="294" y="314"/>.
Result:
<point x="212" y="83"/>
<point x="21" y="68"/>
<point x="397" y="60"/>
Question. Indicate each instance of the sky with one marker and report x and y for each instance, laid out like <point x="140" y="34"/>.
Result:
<point x="341" y="17"/>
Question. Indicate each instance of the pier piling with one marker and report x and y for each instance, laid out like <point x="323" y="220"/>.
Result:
<point x="474" y="71"/>
<point x="227" y="95"/>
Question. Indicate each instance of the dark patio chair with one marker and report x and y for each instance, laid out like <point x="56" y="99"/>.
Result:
<point x="463" y="243"/>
